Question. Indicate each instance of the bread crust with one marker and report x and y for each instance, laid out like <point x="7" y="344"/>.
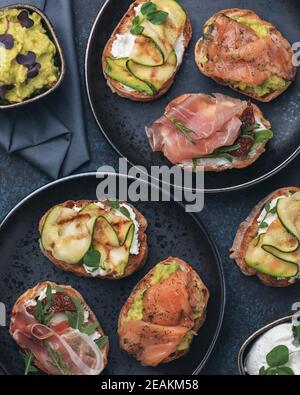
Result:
<point x="32" y="293"/>
<point x="117" y="87"/>
<point x="199" y="322"/>
<point x="247" y="231"/>
<point x="251" y="15"/>
<point x="238" y="163"/>
<point x="135" y="262"/>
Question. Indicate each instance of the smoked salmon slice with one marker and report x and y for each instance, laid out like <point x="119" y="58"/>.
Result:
<point x="169" y="306"/>
<point x="241" y="50"/>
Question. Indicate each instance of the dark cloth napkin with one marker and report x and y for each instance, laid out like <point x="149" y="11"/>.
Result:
<point x="50" y="133"/>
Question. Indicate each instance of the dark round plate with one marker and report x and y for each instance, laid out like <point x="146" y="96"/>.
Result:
<point x="172" y="232"/>
<point x="123" y="121"/>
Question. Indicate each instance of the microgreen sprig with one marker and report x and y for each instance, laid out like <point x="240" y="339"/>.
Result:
<point x="276" y="360"/>
<point x="182" y="128"/>
<point x="41" y="312"/>
<point x="152" y="14"/>
<point x="28" y="361"/>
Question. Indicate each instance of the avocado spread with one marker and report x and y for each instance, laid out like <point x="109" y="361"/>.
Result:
<point x="260" y="29"/>
<point x="161" y="273"/>
<point x="271" y="84"/>
<point x="27" y="56"/>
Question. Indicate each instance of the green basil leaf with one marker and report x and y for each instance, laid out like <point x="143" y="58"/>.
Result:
<point x="147" y="8"/>
<point x="137" y="30"/>
<point x="125" y="212"/>
<point x="102" y="341"/>
<point x="263" y="135"/>
<point x="157" y="17"/>
<point x="278" y="356"/>
<point x="273" y="210"/>
<point x="285" y="371"/>
<point x="267" y="207"/>
<point x="92" y="259"/>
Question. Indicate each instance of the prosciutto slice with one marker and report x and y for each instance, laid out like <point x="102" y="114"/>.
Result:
<point x="79" y="353"/>
<point x="211" y="122"/>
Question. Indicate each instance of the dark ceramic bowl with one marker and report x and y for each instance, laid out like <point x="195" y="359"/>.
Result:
<point x="248" y="343"/>
<point x="60" y="60"/>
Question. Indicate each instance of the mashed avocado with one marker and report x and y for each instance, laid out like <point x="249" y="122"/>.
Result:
<point x="186" y="341"/>
<point x="161" y="273"/>
<point x="27" y="56"/>
<point x="260" y="29"/>
<point x="271" y="84"/>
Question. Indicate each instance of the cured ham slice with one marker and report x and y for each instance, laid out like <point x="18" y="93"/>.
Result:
<point x="78" y="353"/>
<point x="211" y="123"/>
<point x="236" y="53"/>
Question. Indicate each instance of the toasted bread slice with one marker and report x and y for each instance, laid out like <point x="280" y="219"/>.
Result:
<point x="33" y="293"/>
<point x="247" y="232"/>
<point x="201" y="304"/>
<point x="200" y="51"/>
<point x="214" y="164"/>
<point x="123" y="27"/>
<point x="135" y="262"/>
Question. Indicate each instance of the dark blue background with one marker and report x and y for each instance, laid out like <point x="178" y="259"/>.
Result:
<point x="249" y="304"/>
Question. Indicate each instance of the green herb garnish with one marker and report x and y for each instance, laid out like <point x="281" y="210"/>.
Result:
<point x="251" y="128"/>
<point x="150" y="13"/>
<point x="125" y="212"/>
<point x="296" y="333"/>
<point x="41" y="312"/>
<point x="223" y="152"/>
<point x="92" y="259"/>
<point x="262" y="135"/>
<point x="76" y="318"/>
<point x="57" y="361"/>
<point x="268" y="209"/>
<point x="182" y="128"/>
<point x="276" y="359"/>
<point x="28" y="361"/>
<point x="102" y="341"/>
<point x="114" y="204"/>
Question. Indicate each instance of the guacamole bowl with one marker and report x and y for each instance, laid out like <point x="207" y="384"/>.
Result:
<point x="32" y="63"/>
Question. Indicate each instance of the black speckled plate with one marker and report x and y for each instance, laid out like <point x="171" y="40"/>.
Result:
<point x="123" y="121"/>
<point x="172" y="232"/>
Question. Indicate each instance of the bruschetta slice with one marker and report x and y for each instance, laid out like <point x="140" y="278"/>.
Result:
<point x="267" y="243"/>
<point x="95" y="239"/>
<point x="240" y="50"/>
<point x="146" y="49"/>
<point x="58" y="332"/>
<point x="163" y="313"/>
<point x="214" y="133"/>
